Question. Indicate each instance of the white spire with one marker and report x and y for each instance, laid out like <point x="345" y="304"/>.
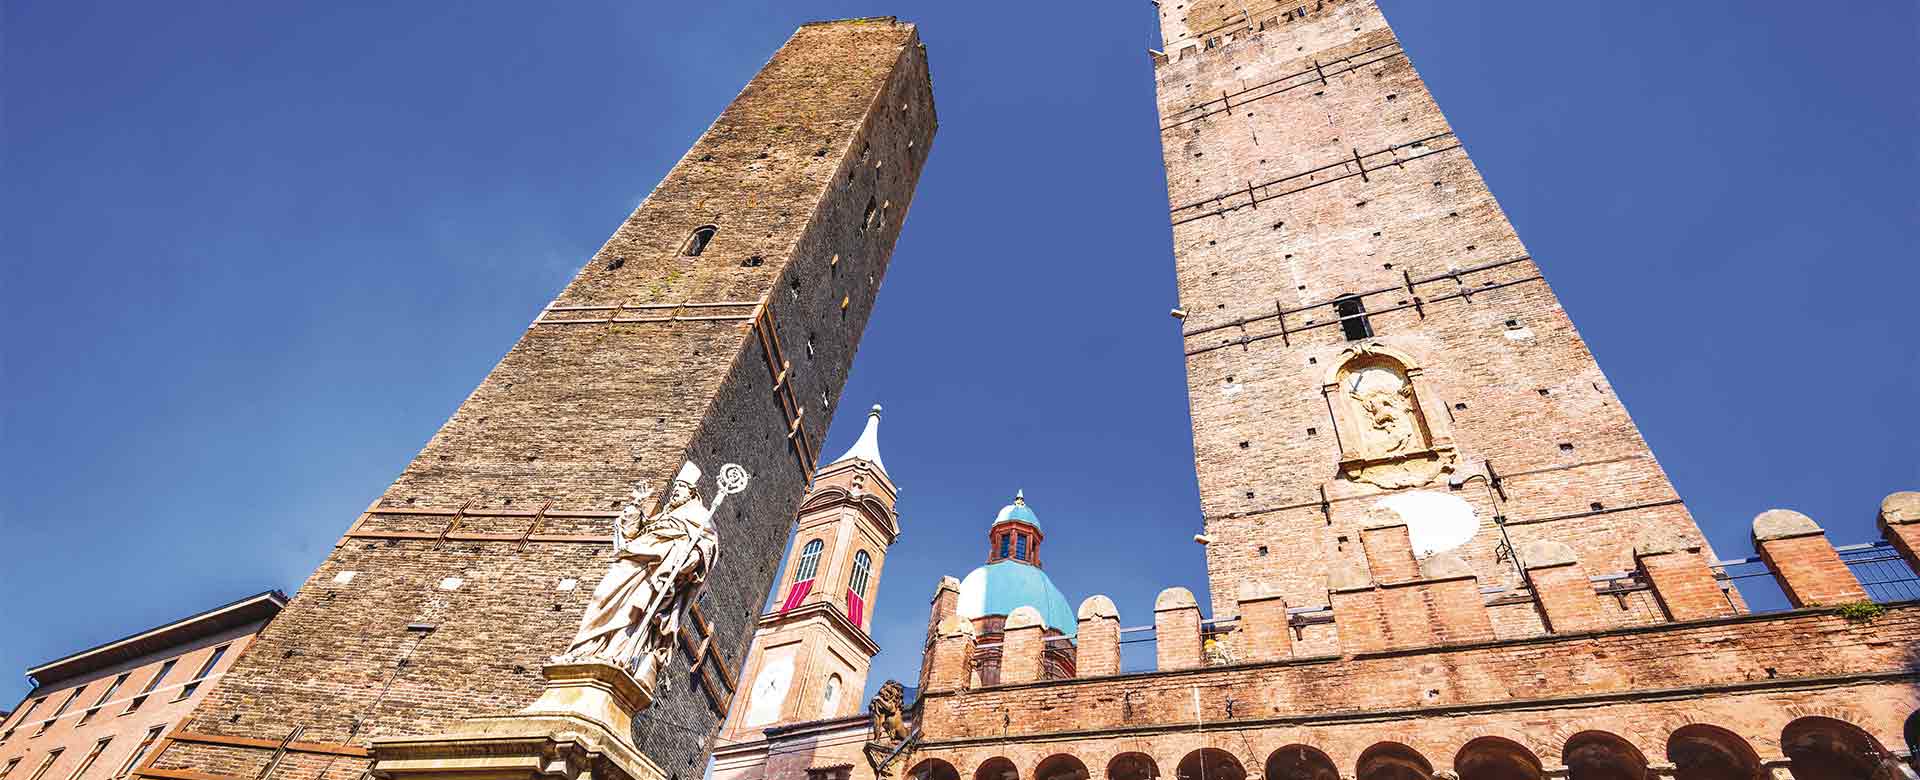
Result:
<point x="868" y="447"/>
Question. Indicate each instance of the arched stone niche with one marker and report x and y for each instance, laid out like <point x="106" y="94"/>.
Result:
<point x="1392" y="434"/>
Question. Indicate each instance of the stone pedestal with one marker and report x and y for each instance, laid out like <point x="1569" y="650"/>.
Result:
<point x="579" y="729"/>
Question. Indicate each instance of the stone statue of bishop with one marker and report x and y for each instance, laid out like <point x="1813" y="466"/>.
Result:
<point x="660" y="562"/>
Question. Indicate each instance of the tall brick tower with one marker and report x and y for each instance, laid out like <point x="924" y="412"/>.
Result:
<point x="1367" y="340"/>
<point x="811" y="652"/>
<point x="716" y="325"/>
<point x="1437" y="547"/>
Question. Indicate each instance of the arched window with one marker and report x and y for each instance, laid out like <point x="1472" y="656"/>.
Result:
<point x="867" y="222"/>
<point x="697" y="242"/>
<point x="1353" y="317"/>
<point x="809" y="561"/>
<point x="831" y="697"/>
<point x="862" y="564"/>
<point x="1006" y="545"/>
<point x="1020" y="547"/>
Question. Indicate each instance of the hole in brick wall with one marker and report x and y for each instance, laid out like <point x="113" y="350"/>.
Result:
<point x="1313" y="431"/>
<point x="1263" y="550"/>
<point x="616" y="263"/>
<point x="706" y="158"/>
<point x="1361" y="205"/>
<point x="1280" y="224"/>
<point x="1303" y="287"/>
<point x="1249" y="494"/>
<point x="1388" y="266"/>
<point x="820" y="153"/>
<point x="1471" y="247"/>
<point x="753" y="262"/>
<point x="1513" y="323"/>
<point x="1211" y="242"/>
<point x="1312" y="361"/>
<point x="1245" y="444"/>
<point x="1453" y="213"/>
<point x="1595" y="506"/>
<point x="1565" y="447"/>
<point x="1376" y="234"/>
<point x="1544" y="391"/>
<point x="1461" y="407"/>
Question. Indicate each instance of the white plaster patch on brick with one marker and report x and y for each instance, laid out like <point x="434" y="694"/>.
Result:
<point x="1436" y="522"/>
<point x="567" y="584"/>
<point x="345" y="577"/>
<point x="1231" y="389"/>
<point x="452" y="583"/>
<point x="1520" y="334"/>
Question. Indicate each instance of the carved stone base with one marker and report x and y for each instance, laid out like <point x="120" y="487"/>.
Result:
<point x="579" y="729"/>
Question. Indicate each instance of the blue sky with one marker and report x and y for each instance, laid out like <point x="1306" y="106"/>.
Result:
<point x="255" y="254"/>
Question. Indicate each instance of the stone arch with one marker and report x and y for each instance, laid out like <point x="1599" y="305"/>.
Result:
<point x="1496" y="758"/>
<point x="1210" y="764"/>
<point x="996" y="768"/>
<point x="1391" y="433"/>
<point x="1301" y="762"/>
<point x="1600" y="755"/>
<point x="1823" y="748"/>
<point x="1699" y="751"/>
<point x="1132" y="766"/>
<point x="1060" y="766"/>
<point x="933" y="769"/>
<point x="1392" y="761"/>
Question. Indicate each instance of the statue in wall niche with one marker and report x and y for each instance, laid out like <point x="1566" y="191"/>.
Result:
<point x="1386" y="440"/>
<point x="661" y="561"/>
<point x="1384" y="399"/>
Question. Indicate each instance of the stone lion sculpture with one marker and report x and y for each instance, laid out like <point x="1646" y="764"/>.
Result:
<point x="889" y="720"/>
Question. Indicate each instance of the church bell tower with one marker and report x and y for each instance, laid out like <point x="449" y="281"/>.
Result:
<point x="812" y="650"/>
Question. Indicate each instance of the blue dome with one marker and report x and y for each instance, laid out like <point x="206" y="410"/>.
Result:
<point x="1000" y="588"/>
<point x="1018" y="510"/>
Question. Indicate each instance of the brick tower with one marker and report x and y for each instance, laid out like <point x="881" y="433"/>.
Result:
<point x="1367" y="340"/>
<point x="811" y="652"/>
<point x="716" y="325"/>
<point x="1437" y="547"/>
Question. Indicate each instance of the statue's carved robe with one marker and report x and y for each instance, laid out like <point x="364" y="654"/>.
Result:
<point x="671" y="552"/>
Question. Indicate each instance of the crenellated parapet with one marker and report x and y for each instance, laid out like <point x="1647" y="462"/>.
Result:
<point x="1386" y="599"/>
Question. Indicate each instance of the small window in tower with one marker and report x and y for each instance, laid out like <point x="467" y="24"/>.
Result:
<point x="873" y="209"/>
<point x="1020" y="547"/>
<point x="1353" y="317"/>
<point x="697" y="242"/>
<point x="809" y="561"/>
<point x="1006" y="545"/>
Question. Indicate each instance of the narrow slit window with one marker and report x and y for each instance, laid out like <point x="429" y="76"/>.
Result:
<point x="92" y="756"/>
<point x="873" y="210"/>
<point x="52" y="756"/>
<point x="697" y="242"/>
<point x="140" y="751"/>
<point x="152" y="684"/>
<point x="205" y="669"/>
<point x="1006" y="545"/>
<point x="1020" y="547"/>
<point x="1353" y="317"/>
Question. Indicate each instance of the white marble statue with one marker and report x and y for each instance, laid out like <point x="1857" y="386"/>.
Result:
<point x="660" y="563"/>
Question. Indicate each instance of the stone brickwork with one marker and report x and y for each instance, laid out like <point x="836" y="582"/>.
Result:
<point x="457" y="584"/>
<point x="1307" y="161"/>
<point x="1437" y="546"/>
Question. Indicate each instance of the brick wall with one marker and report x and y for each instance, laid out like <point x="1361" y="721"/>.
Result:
<point x="807" y="175"/>
<point x="1325" y="170"/>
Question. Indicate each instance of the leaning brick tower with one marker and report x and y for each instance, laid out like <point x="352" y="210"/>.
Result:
<point x="1437" y="547"/>
<point x="1367" y="340"/>
<point x="716" y="325"/>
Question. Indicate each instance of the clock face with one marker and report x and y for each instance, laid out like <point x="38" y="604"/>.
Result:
<point x="770" y="689"/>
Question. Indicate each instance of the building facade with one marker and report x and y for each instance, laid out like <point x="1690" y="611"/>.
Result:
<point x="1437" y="546"/>
<point x="96" y="714"/>
<point x="711" y="334"/>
